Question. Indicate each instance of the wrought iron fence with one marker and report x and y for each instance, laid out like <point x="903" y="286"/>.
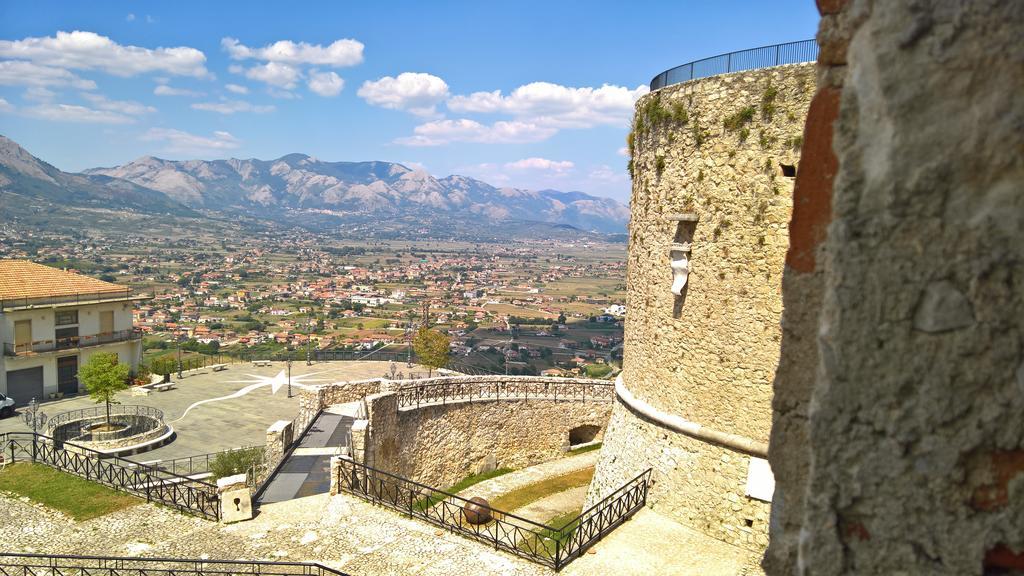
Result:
<point x="753" y="58"/>
<point x="12" y="564"/>
<point x="197" y="464"/>
<point x="101" y="412"/>
<point x="153" y="484"/>
<point x="511" y="389"/>
<point x="17" y="349"/>
<point x="548" y="545"/>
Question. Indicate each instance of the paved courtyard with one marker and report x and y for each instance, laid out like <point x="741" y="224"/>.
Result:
<point x="349" y="534"/>
<point x="212" y="411"/>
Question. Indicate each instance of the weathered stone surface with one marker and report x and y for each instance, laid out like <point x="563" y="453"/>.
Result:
<point x="708" y="355"/>
<point x="439" y="445"/>
<point x="910" y="433"/>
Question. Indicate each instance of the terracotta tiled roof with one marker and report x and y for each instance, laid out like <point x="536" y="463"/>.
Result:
<point x="24" y="279"/>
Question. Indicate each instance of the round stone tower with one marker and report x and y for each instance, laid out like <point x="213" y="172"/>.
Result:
<point x="713" y="162"/>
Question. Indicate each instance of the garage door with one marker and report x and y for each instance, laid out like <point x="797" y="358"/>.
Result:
<point x="24" y="385"/>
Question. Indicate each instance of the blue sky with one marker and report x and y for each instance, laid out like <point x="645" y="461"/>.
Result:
<point x="529" y="94"/>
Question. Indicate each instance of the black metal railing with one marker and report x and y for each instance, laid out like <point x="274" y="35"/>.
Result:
<point x="79" y="298"/>
<point x="548" y="545"/>
<point x="197" y="464"/>
<point x="37" y="346"/>
<point x="153" y="484"/>
<point x="753" y="58"/>
<point x="169" y="365"/>
<point x="512" y="388"/>
<point x="12" y="564"/>
<point x="101" y="412"/>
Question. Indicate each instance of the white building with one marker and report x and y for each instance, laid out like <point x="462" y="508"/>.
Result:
<point x="52" y="321"/>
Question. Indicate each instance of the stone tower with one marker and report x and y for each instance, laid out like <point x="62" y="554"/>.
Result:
<point x="713" y="162"/>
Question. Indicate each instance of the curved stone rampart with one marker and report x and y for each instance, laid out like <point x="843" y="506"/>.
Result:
<point x="712" y="163"/>
<point x="464" y="424"/>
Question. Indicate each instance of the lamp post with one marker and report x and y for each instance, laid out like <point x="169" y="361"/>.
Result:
<point x="34" y="418"/>
<point x="289" y="365"/>
<point x="177" y="341"/>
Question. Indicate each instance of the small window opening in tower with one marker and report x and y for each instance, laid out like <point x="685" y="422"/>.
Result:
<point x="788" y="170"/>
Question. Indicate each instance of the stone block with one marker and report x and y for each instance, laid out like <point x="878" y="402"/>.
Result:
<point x="235" y="499"/>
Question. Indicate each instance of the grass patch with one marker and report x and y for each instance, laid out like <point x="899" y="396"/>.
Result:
<point x="520" y="497"/>
<point x="584" y="449"/>
<point x="429" y="501"/>
<point x="565" y="526"/>
<point x="74" y="496"/>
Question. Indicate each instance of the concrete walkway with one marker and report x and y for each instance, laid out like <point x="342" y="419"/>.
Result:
<point x="308" y="470"/>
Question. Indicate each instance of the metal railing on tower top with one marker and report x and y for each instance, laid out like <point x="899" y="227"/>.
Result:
<point x="750" y="59"/>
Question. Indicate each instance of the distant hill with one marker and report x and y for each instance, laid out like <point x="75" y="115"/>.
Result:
<point x="360" y="189"/>
<point x="366" y="198"/>
<point x="24" y="174"/>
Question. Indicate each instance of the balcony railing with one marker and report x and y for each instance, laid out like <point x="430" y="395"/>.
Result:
<point x="751" y="59"/>
<point x="40" y="346"/>
<point x="67" y="299"/>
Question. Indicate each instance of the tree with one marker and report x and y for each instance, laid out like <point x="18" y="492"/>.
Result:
<point x="432" y="348"/>
<point x="104" y="378"/>
<point x="561" y="317"/>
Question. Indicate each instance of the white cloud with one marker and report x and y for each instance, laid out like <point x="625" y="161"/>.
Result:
<point x="415" y="92"/>
<point x="232" y="106"/>
<point x="127" y="107"/>
<point x="344" y="52"/>
<point x="624" y="152"/>
<point x="325" y="83"/>
<point x="22" y="73"/>
<point x="6" y="106"/>
<point x="165" y="90"/>
<point x="275" y="74"/>
<point x="606" y="174"/>
<point x="556" y="105"/>
<point x="282" y="94"/>
<point x="541" y="164"/>
<point x="81" y="50"/>
<point x="463" y="130"/>
<point x="179" y="141"/>
<point x="236" y="88"/>
<point x="74" y="113"/>
<point x="39" y="94"/>
<point x="130" y="18"/>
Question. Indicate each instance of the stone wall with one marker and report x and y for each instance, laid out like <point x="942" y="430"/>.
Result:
<point x="903" y="453"/>
<point x="527" y="423"/>
<point x="439" y="445"/>
<point x="711" y="162"/>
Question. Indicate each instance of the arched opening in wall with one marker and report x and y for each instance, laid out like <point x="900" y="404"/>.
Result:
<point x="584" y="434"/>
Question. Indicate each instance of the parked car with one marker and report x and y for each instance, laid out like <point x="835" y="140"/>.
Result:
<point x="6" y="406"/>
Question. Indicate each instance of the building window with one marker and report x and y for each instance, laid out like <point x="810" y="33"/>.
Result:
<point x="66" y="317"/>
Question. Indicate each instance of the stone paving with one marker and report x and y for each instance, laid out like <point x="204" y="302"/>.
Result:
<point x="346" y="533"/>
<point x="229" y="423"/>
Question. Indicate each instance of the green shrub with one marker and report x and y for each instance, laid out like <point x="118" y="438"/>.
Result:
<point x="235" y="462"/>
<point x="737" y="120"/>
<point x="768" y="102"/>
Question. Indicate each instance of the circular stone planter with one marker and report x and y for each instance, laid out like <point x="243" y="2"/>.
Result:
<point x="132" y="429"/>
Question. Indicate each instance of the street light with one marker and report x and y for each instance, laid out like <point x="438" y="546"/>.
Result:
<point x="289" y="365"/>
<point x="35" y="419"/>
<point x="177" y="341"/>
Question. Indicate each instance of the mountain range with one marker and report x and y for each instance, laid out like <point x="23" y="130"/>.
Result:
<point x="299" y="184"/>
